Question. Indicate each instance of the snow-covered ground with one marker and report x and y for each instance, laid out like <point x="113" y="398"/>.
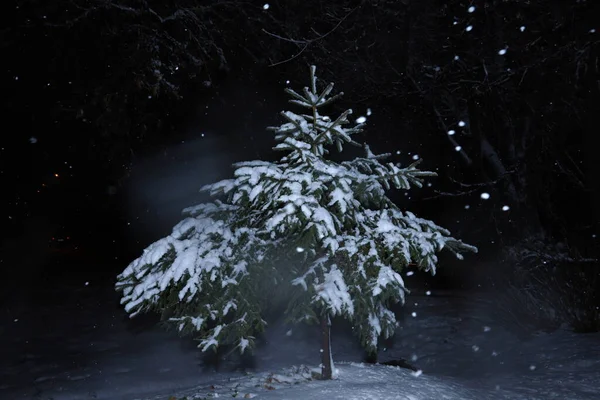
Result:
<point x="76" y="343"/>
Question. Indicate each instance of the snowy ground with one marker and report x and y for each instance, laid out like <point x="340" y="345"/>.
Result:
<point x="77" y="344"/>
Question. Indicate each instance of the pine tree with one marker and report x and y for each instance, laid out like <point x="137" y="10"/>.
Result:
<point x="320" y="236"/>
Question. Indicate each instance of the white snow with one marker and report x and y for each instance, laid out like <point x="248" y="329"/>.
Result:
<point x="90" y="352"/>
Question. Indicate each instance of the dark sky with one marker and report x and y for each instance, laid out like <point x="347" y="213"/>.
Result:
<point x="96" y="145"/>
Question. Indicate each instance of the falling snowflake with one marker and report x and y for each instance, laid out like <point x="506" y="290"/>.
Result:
<point x="299" y="249"/>
<point x="505" y="208"/>
<point x="462" y="123"/>
<point x="522" y="28"/>
<point x="485" y="196"/>
<point x="361" y="120"/>
<point x="33" y="140"/>
<point x="428" y="293"/>
<point x="471" y="9"/>
<point x="415" y="157"/>
<point x="409" y="273"/>
<point x="502" y="52"/>
<point x="469" y="28"/>
<point x="458" y="148"/>
<point x="266" y="6"/>
<point x="451" y="132"/>
<point x="413" y="314"/>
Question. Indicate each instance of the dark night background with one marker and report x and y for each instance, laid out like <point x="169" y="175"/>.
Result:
<point x="116" y="112"/>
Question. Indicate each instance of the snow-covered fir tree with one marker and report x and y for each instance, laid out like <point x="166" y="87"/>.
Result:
<point x="320" y="236"/>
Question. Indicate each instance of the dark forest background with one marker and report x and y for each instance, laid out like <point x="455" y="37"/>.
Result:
<point x="116" y="112"/>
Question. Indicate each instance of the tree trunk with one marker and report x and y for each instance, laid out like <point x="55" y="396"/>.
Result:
<point x="326" y="359"/>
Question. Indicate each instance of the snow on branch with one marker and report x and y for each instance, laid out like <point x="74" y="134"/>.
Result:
<point x="333" y="295"/>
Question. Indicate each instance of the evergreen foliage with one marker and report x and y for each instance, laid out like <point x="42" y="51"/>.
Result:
<point x="318" y="236"/>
